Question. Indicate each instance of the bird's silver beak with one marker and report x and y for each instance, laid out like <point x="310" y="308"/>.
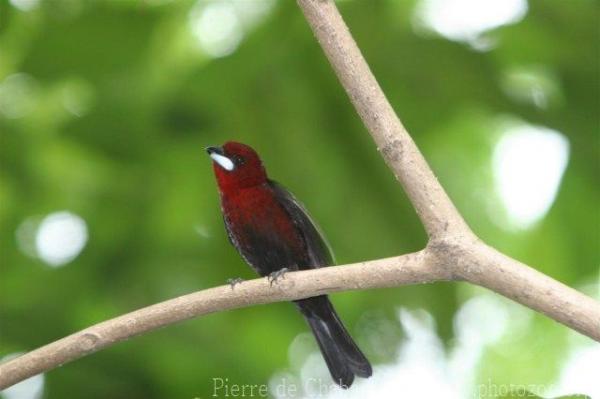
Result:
<point x="218" y="155"/>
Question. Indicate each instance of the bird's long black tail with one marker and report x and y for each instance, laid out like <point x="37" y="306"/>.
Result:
<point x="344" y="359"/>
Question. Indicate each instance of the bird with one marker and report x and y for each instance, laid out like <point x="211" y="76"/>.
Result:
<point x="273" y="233"/>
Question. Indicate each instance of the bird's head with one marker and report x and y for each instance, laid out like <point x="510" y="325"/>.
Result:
<point x="236" y="166"/>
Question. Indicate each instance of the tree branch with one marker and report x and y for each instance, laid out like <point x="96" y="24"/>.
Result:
<point x="453" y="252"/>
<point x="466" y="255"/>
<point x="438" y="214"/>
<point x="419" y="267"/>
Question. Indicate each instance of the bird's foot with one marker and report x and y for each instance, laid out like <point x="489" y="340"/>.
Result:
<point x="233" y="281"/>
<point x="273" y="277"/>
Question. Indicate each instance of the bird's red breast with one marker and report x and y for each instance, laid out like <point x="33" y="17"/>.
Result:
<point x="255" y="212"/>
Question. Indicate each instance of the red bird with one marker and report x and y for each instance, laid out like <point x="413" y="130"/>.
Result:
<point x="273" y="233"/>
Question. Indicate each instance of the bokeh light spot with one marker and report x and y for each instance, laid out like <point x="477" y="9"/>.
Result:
<point x="17" y="95"/>
<point x="572" y="379"/>
<point x="24" y="5"/>
<point x="60" y="238"/>
<point x="528" y="165"/>
<point x="531" y="84"/>
<point x="467" y="20"/>
<point x="219" y="26"/>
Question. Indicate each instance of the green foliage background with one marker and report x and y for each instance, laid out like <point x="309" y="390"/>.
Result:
<point x="132" y="166"/>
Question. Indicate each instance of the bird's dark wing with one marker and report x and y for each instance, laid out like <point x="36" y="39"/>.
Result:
<point x="319" y="252"/>
<point x="230" y="236"/>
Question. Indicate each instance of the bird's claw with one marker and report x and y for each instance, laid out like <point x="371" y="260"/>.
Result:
<point x="233" y="281"/>
<point x="273" y="277"/>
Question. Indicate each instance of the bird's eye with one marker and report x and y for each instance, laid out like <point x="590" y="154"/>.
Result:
<point x="239" y="160"/>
